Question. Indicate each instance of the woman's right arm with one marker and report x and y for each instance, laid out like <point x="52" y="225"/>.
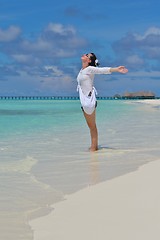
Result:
<point x="120" y="69"/>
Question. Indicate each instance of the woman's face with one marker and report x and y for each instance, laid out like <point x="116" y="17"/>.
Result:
<point x="86" y="58"/>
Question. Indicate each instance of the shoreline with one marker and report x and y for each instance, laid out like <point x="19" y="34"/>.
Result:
<point x="126" y="207"/>
<point x="152" y="102"/>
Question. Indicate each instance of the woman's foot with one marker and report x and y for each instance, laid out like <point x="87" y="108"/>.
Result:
<point x="93" y="149"/>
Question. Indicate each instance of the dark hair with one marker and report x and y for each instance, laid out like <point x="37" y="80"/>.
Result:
<point x="94" y="61"/>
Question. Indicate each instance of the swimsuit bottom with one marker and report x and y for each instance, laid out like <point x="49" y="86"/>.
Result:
<point x="83" y="109"/>
<point x="88" y="103"/>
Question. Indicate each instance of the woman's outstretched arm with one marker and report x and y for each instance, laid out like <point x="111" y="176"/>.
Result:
<point x="120" y="69"/>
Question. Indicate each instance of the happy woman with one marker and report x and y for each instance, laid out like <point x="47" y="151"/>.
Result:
<point x="87" y="92"/>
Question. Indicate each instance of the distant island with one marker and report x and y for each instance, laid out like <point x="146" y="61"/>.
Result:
<point x="139" y="94"/>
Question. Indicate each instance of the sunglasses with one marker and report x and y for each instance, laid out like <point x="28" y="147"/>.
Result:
<point x="87" y="55"/>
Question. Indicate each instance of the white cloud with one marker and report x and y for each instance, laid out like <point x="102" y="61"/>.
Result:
<point x="60" y="29"/>
<point x="145" y="74"/>
<point x="22" y="58"/>
<point x="139" y="50"/>
<point x="9" y="34"/>
<point x="55" y="41"/>
<point x="134" y="59"/>
<point x="39" y="45"/>
<point x="149" y="31"/>
<point x="44" y="61"/>
<point x="55" y="70"/>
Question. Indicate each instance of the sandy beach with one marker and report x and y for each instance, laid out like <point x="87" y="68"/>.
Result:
<point x="152" y="102"/>
<point x="125" y="208"/>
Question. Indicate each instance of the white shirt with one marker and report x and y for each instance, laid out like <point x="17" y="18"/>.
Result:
<point x="85" y="77"/>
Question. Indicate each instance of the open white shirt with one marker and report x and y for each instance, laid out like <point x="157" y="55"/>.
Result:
<point x="85" y="80"/>
<point x="85" y="77"/>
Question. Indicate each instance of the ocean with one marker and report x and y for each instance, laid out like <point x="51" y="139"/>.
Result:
<point x="44" y="153"/>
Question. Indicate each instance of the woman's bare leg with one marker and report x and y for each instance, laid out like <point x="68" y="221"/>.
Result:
<point x="91" y="121"/>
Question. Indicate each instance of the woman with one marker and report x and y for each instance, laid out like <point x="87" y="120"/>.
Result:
<point x="87" y="91"/>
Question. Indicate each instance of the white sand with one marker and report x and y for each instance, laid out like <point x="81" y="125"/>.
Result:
<point x="153" y="102"/>
<point x="124" y="208"/>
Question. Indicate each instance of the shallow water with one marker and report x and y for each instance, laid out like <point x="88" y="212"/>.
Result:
<point x="44" y="153"/>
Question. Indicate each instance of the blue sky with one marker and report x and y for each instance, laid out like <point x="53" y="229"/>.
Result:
<point x="41" y="43"/>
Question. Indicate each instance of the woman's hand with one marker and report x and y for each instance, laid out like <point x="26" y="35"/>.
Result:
<point x="122" y="69"/>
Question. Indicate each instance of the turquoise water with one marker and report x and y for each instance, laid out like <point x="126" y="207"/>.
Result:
<point x="34" y="116"/>
<point x="44" y="153"/>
